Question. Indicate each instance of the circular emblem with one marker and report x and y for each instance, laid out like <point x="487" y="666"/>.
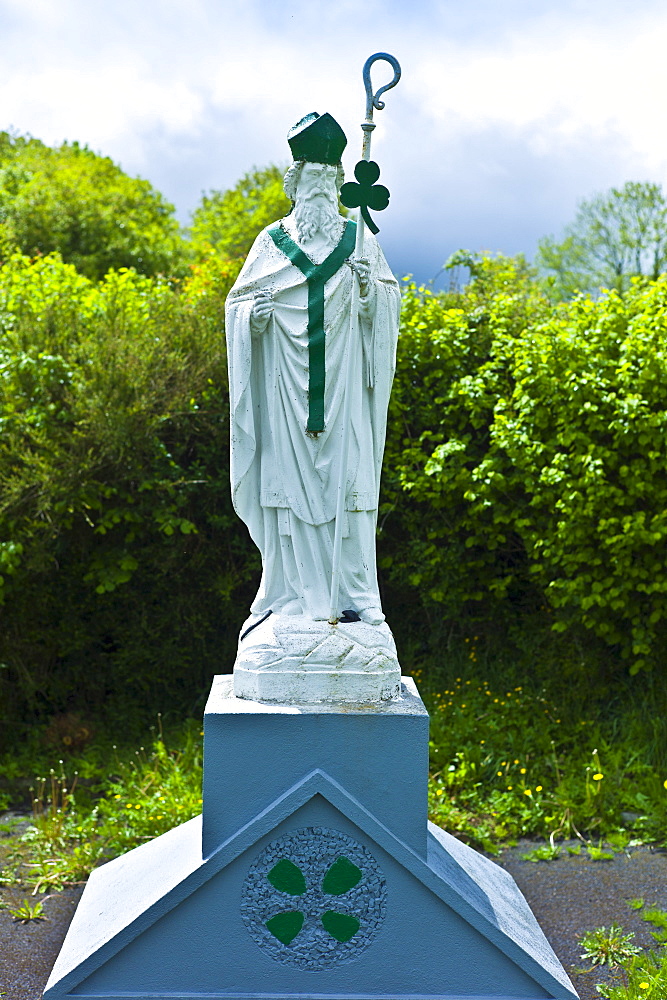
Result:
<point x="314" y="899"/>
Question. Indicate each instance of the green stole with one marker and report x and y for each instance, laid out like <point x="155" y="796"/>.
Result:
<point x="316" y="275"/>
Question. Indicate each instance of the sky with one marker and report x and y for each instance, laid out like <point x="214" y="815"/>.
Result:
<point x="508" y="112"/>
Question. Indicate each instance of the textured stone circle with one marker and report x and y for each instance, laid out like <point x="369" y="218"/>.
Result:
<point x="314" y="899"/>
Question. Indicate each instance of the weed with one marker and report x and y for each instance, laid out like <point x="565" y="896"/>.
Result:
<point x="621" y="840"/>
<point x="508" y="762"/>
<point x="546" y="853"/>
<point x="647" y="979"/>
<point x="27" y="911"/>
<point x="574" y="849"/>
<point x="150" y="793"/>
<point x="598" y="853"/>
<point x="652" y="915"/>
<point x="608" y="945"/>
<point x="647" y="972"/>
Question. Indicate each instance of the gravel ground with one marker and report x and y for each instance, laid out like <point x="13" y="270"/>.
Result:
<point x="573" y="894"/>
<point x="569" y="896"/>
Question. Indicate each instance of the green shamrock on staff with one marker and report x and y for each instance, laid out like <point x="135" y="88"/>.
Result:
<point x="366" y="194"/>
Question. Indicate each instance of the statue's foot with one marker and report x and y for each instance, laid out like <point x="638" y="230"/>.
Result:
<point x="372" y="616"/>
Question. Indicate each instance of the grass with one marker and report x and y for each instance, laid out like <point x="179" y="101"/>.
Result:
<point x="645" y="972"/>
<point x="507" y="761"/>
<point x="513" y="761"/>
<point x="147" y="793"/>
<point x="27" y="911"/>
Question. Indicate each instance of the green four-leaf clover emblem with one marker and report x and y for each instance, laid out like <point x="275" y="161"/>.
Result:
<point x="314" y="898"/>
<point x="340" y="877"/>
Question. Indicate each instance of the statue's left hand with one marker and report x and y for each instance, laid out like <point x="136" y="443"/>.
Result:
<point x="363" y="269"/>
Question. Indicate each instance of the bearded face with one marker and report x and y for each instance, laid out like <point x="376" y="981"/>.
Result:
<point x="316" y="202"/>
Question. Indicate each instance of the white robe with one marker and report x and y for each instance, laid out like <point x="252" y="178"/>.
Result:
<point x="284" y="480"/>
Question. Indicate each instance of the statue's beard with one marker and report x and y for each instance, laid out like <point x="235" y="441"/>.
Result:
<point x="319" y="215"/>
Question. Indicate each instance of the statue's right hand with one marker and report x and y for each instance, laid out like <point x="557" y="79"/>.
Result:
<point x="262" y="307"/>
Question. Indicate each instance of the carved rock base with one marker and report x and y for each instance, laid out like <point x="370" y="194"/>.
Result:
<point x="294" y="660"/>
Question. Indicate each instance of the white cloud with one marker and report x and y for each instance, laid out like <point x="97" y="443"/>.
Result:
<point x="505" y="115"/>
<point x="561" y="85"/>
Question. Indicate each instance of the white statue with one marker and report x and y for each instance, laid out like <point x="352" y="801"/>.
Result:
<point x="288" y="327"/>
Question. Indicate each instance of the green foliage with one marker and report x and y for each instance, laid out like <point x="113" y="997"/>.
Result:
<point x="146" y="794"/>
<point x="227" y="222"/>
<point x="545" y="853"/>
<point x="647" y="979"/>
<point x="658" y="918"/>
<point x="596" y="852"/>
<point x="118" y="545"/>
<point x="614" y="237"/>
<point x="26" y="911"/>
<point x="509" y="763"/>
<point x="530" y="774"/>
<point x="71" y="200"/>
<point x="647" y="972"/>
<point x="526" y="468"/>
<point x="608" y="945"/>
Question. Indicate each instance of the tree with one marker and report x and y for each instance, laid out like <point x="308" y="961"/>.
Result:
<point x="71" y="200"/>
<point x="614" y="237"/>
<point x="227" y="222"/>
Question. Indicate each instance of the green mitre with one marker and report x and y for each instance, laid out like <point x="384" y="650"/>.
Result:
<point x="317" y="138"/>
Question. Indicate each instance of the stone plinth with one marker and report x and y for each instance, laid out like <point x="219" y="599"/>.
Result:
<point x="268" y="749"/>
<point x="320" y="878"/>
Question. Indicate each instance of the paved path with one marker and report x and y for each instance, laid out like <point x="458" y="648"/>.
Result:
<point x="569" y="896"/>
<point x="573" y="895"/>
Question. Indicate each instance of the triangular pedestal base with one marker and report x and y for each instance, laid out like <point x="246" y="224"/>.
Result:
<point x="318" y="878"/>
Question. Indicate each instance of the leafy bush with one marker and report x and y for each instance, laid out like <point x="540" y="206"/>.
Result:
<point x="531" y="444"/>
<point x="120" y="555"/>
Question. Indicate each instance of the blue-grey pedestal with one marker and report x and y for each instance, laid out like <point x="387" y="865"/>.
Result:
<point x="313" y="874"/>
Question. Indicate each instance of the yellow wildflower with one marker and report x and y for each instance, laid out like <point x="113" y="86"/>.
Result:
<point x="538" y="788"/>
<point x="527" y="791"/>
<point x="523" y="770"/>
<point x="598" y="777"/>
